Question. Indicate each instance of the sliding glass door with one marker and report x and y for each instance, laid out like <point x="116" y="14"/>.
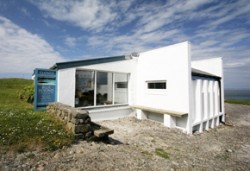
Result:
<point x="98" y="88"/>
<point x="104" y="88"/>
<point x="84" y="93"/>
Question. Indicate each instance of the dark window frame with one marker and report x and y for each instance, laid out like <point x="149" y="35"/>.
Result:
<point x="121" y="85"/>
<point x="156" y="85"/>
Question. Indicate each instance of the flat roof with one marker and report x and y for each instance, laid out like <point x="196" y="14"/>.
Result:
<point x="70" y="64"/>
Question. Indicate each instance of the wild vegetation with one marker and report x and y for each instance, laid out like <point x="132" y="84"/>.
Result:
<point x="160" y="152"/>
<point x="238" y="102"/>
<point x="27" y="93"/>
<point x="23" y="129"/>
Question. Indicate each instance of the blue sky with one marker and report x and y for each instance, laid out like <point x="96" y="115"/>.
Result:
<point x="38" y="33"/>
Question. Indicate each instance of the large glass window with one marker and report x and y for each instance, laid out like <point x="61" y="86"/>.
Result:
<point x="84" y="94"/>
<point x="104" y="88"/>
<point x="121" y="88"/>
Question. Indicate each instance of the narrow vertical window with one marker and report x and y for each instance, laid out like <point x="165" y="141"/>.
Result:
<point x="121" y="88"/>
<point x="104" y="88"/>
<point x="84" y="92"/>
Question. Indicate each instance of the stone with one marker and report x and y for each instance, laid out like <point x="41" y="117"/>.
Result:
<point x="71" y="152"/>
<point x="82" y="111"/>
<point x="71" y="127"/>
<point x="40" y="168"/>
<point x="70" y="116"/>
<point x="58" y="112"/>
<point x="79" y="136"/>
<point x="57" y="156"/>
<point x="89" y="134"/>
<point x="103" y="131"/>
<point x="87" y="120"/>
<point x="79" y="150"/>
<point x="82" y="128"/>
<point x="82" y="116"/>
<point x="78" y="121"/>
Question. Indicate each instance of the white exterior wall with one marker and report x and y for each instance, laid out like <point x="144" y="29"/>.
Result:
<point x="215" y="67"/>
<point x="66" y="86"/>
<point x="66" y="79"/>
<point x="207" y="96"/>
<point x="171" y="63"/>
<point x="212" y="66"/>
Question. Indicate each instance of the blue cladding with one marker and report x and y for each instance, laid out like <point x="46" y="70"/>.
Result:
<point x="45" y="88"/>
<point x="45" y="94"/>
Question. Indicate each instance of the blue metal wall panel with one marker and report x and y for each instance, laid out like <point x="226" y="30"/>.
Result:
<point x="45" y="88"/>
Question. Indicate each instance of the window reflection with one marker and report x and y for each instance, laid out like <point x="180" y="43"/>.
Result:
<point x="109" y="88"/>
<point x="104" y="88"/>
<point x="84" y="95"/>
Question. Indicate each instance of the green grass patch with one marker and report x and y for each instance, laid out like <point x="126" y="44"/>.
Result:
<point x="27" y="94"/>
<point x="160" y="152"/>
<point x="242" y="102"/>
<point x="23" y="129"/>
<point x="9" y="89"/>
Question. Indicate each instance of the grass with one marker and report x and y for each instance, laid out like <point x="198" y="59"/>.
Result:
<point x="9" y="89"/>
<point x="21" y="128"/>
<point x="238" y="102"/>
<point x="160" y="152"/>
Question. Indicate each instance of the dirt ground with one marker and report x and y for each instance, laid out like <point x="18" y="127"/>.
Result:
<point x="135" y="144"/>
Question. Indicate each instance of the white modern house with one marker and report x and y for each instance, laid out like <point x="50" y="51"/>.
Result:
<point x="163" y="85"/>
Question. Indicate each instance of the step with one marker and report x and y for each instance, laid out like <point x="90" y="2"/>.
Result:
<point x="103" y="131"/>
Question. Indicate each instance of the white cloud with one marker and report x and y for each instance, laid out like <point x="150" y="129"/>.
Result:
<point x="22" y="51"/>
<point x="120" y="27"/>
<point x="25" y="12"/>
<point x="70" y="41"/>
<point x="88" y="14"/>
<point x="155" y="26"/>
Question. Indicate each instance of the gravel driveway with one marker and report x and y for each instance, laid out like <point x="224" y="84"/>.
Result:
<point x="147" y="145"/>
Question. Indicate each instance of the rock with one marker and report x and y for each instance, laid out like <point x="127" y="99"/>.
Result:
<point x="229" y="150"/>
<point x="80" y="136"/>
<point x="78" y="122"/>
<point x="40" y="168"/>
<point x="82" y="115"/>
<point x="82" y="128"/>
<point x="174" y="163"/>
<point x="93" y="143"/>
<point x="71" y="152"/>
<point x="79" y="150"/>
<point x="57" y="156"/>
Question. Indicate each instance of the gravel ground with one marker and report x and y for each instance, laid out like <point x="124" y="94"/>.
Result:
<point x="135" y="144"/>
